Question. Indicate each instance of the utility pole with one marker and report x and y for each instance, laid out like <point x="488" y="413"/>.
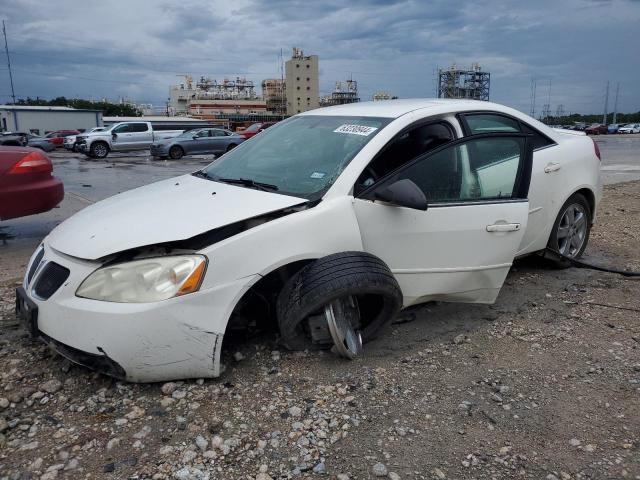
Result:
<point x="6" y="48"/>
<point x="532" y="110"/>
<point x="615" y="104"/>
<point x="606" y="105"/>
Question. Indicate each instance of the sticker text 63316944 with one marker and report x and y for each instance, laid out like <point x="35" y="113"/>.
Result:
<point x="356" y="130"/>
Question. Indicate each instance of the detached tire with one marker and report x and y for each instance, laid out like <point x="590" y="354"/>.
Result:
<point x="348" y="274"/>
<point x="570" y="232"/>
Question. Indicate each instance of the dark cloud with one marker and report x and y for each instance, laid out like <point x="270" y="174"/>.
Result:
<point x="136" y="48"/>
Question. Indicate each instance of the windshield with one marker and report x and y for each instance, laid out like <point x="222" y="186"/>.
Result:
<point x="301" y="156"/>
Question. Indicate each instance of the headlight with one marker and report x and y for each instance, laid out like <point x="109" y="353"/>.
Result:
<point x="147" y="280"/>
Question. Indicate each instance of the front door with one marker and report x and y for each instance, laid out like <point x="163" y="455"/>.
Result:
<point x="122" y="137"/>
<point x="462" y="246"/>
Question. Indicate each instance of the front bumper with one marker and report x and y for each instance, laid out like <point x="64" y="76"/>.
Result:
<point x="144" y="342"/>
<point x="159" y="150"/>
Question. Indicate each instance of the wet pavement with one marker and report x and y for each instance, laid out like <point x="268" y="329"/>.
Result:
<point x="620" y="157"/>
<point x="87" y="181"/>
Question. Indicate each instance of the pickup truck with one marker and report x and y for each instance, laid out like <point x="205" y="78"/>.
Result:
<point x="121" y="136"/>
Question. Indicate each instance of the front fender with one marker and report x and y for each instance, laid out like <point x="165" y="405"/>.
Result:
<point x="329" y="227"/>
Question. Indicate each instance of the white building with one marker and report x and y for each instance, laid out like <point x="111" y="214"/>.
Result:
<point x="42" y="119"/>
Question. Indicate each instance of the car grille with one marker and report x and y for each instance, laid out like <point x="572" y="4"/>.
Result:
<point x="34" y="265"/>
<point x="50" y="280"/>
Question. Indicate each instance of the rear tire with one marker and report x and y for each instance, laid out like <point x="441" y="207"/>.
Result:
<point x="570" y="232"/>
<point x="176" y="152"/>
<point x="349" y="274"/>
<point x="99" y="150"/>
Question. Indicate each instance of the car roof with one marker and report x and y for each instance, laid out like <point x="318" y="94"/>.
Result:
<point x="397" y="108"/>
<point x="429" y="106"/>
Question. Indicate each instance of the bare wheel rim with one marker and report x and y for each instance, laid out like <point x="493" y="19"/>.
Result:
<point x="342" y="316"/>
<point x="572" y="230"/>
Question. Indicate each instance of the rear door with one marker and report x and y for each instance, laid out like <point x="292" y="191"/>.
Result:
<point x="462" y="246"/>
<point x="142" y="135"/>
<point x="544" y="201"/>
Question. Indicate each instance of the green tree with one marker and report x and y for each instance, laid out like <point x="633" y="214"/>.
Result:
<point x="108" y="109"/>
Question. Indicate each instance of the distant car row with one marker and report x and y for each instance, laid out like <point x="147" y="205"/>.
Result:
<point x="601" y="129"/>
<point x="99" y="141"/>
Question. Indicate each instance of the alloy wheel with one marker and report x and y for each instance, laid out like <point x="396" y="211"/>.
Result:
<point x="572" y="230"/>
<point x="342" y="316"/>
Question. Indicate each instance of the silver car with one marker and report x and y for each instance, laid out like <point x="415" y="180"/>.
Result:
<point x="40" y="142"/>
<point x="199" y="141"/>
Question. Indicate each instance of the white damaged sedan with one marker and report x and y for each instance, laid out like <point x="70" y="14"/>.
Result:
<point x="327" y="224"/>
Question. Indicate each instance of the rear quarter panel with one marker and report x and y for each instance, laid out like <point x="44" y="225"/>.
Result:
<point x="580" y="170"/>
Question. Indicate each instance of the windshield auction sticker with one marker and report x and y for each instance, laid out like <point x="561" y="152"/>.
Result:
<point x="355" y="130"/>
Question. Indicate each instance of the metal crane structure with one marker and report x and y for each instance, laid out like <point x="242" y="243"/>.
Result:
<point x="471" y="83"/>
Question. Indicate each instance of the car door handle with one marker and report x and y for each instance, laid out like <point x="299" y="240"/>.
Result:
<point x="503" y="227"/>
<point x="552" y="167"/>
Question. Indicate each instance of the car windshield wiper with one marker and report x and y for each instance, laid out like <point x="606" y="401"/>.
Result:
<point x="202" y="174"/>
<point x="247" y="182"/>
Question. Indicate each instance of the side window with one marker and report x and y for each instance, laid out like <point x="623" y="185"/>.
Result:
<point x="539" y="140"/>
<point x="491" y="123"/>
<point x="217" y="133"/>
<point x="124" y="128"/>
<point x="139" y="127"/>
<point x="486" y="168"/>
<point x="404" y="148"/>
<point x="488" y="123"/>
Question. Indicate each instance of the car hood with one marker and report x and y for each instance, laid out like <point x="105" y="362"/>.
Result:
<point x="174" y="209"/>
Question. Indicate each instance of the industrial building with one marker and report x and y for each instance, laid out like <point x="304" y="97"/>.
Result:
<point x="382" y="95"/>
<point x="40" y="120"/>
<point x="471" y="83"/>
<point x="342" y="95"/>
<point x="210" y="99"/>
<point x="302" y="82"/>
<point x="273" y="93"/>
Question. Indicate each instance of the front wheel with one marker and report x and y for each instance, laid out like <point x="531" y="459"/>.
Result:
<point x="342" y="299"/>
<point x="570" y="233"/>
<point x="231" y="147"/>
<point x="99" y="150"/>
<point x="176" y="152"/>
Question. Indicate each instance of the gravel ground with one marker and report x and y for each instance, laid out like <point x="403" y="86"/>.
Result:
<point x="544" y="384"/>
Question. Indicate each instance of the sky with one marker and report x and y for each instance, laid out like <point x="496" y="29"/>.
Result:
<point x="137" y="48"/>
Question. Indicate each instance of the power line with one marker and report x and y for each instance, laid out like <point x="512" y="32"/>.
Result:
<point x="6" y="47"/>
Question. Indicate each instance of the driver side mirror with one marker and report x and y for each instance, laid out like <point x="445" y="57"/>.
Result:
<point x="403" y="193"/>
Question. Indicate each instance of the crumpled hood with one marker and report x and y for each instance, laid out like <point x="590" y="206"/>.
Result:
<point x="169" y="210"/>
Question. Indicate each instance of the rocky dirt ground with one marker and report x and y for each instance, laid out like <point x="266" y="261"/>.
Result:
<point x="544" y="384"/>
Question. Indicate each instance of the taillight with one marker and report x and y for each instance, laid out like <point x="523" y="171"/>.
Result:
<point x="34" y="162"/>
<point x="597" y="149"/>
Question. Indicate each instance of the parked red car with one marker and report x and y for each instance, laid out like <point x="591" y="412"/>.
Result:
<point x="27" y="184"/>
<point x="596" y="129"/>
<point x="57" y="137"/>
<point x="255" y="129"/>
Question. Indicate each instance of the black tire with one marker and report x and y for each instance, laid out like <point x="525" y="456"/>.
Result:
<point x="579" y="200"/>
<point x="176" y="152"/>
<point x="358" y="274"/>
<point x="231" y="146"/>
<point x="99" y="150"/>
